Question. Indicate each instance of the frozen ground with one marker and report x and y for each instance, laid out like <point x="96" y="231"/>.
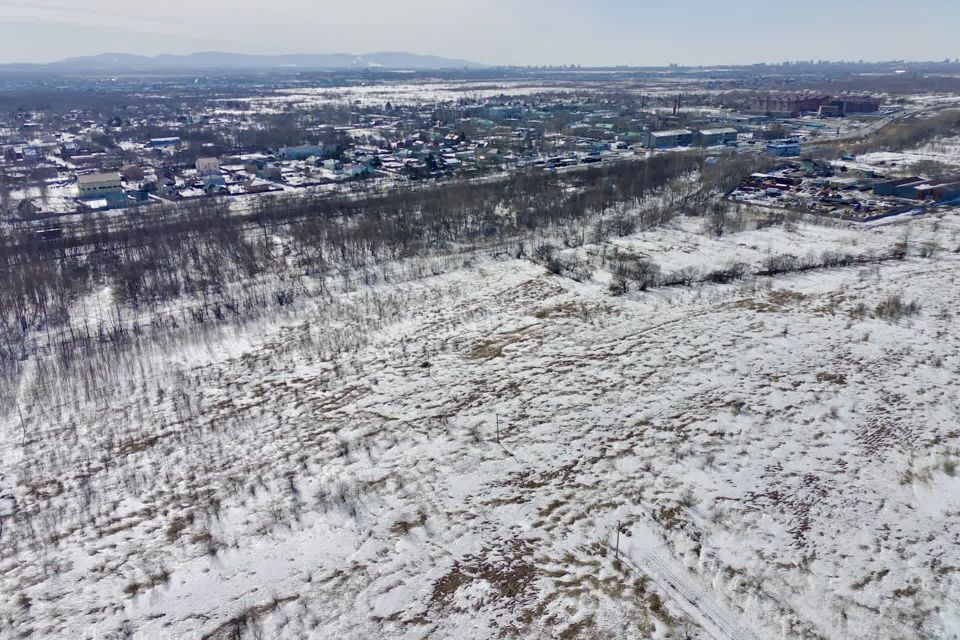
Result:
<point x="452" y="457"/>
<point x="945" y="151"/>
<point x="402" y="93"/>
<point x="58" y="197"/>
<point x="428" y="91"/>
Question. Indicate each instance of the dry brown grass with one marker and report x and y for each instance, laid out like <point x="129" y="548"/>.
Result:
<point x="403" y="527"/>
<point x="829" y="376"/>
<point x="509" y="571"/>
<point x="571" y="310"/>
<point x="487" y="350"/>
<point x="786" y="298"/>
<point x="176" y="526"/>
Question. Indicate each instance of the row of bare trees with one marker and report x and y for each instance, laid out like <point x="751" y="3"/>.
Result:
<point x="911" y="133"/>
<point x="154" y="257"/>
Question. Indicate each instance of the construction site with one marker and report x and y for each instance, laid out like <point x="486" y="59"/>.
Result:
<point x="835" y="190"/>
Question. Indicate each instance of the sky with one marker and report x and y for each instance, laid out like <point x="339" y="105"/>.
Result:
<point x="521" y="32"/>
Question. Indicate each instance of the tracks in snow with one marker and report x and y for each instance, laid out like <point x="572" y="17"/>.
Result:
<point x="688" y="595"/>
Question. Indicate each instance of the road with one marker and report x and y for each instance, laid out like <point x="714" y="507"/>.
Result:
<point x="719" y="621"/>
<point x="880" y="123"/>
<point x="643" y="554"/>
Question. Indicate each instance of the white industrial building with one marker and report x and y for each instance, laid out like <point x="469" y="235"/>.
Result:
<point x="716" y="137"/>
<point x="669" y="139"/>
<point x="100" y="185"/>
<point x="208" y="166"/>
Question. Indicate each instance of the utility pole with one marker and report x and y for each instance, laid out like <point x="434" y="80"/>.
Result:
<point x="23" y="425"/>
<point x="616" y="553"/>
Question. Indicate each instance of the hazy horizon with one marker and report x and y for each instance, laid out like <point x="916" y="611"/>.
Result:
<point x="497" y="32"/>
<point x="281" y="54"/>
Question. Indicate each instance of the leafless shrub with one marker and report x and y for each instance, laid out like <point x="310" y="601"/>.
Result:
<point x="620" y="281"/>
<point x="927" y="250"/>
<point x="545" y="251"/>
<point x="644" y="273"/>
<point x="893" y="308"/>
<point x="859" y="311"/>
<point x="735" y="271"/>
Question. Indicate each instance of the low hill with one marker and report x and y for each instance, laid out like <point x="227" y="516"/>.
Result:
<point x="124" y="63"/>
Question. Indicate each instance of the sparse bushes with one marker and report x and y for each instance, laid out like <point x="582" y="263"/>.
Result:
<point x="545" y="251"/>
<point x="24" y="601"/>
<point x="175" y="528"/>
<point x="893" y="308"/>
<point x="684" y="276"/>
<point x="197" y="249"/>
<point x="719" y="221"/>
<point x="715" y="224"/>
<point x="620" y="281"/>
<point x="569" y="268"/>
<point x="403" y="527"/>
<point x="645" y="273"/>
<point x="623" y="224"/>
<point x="950" y="467"/>
<point x="859" y="311"/>
<point x="555" y="266"/>
<point x="927" y="250"/>
<point x="580" y="272"/>
<point x="911" y="133"/>
<point x="779" y="264"/>
<point x="735" y="271"/>
<point x="836" y="259"/>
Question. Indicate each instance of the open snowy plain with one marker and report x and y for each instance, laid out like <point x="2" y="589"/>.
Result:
<point x="504" y="452"/>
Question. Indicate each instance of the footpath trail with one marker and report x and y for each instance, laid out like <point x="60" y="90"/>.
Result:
<point x="693" y="599"/>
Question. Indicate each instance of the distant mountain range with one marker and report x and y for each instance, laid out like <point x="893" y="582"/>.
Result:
<point x="213" y="60"/>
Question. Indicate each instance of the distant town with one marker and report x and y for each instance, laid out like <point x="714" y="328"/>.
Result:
<point x="255" y="141"/>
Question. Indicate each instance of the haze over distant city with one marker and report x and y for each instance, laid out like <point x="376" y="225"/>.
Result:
<point x="527" y="32"/>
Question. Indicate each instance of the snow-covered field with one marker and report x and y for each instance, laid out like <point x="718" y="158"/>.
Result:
<point x="945" y="151"/>
<point x="402" y="93"/>
<point x="452" y="458"/>
<point x="435" y="91"/>
<point x="58" y="197"/>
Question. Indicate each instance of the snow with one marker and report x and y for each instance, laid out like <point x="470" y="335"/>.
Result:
<point x="781" y="464"/>
<point x="945" y="151"/>
<point x="404" y="93"/>
<point x="56" y="197"/>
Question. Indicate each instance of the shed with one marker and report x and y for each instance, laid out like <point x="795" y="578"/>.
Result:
<point x="888" y="187"/>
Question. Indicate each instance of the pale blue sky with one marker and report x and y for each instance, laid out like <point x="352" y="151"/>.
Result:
<point x="588" y="32"/>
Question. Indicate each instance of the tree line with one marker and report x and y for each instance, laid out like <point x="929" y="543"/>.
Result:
<point x="199" y="249"/>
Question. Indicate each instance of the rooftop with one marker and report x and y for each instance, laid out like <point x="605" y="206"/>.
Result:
<point x="717" y="132"/>
<point x="94" y="178"/>
<point x="671" y="133"/>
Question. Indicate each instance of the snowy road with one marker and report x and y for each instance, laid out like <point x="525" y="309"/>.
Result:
<point x="644" y="555"/>
<point x="689" y="596"/>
